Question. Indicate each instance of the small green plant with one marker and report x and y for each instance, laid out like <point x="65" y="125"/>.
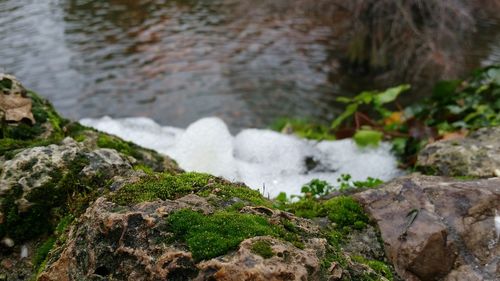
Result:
<point x="454" y="108"/>
<point x="374" y="99"/>
<point x="346" y="183"/>
<point x="316" y="188"/>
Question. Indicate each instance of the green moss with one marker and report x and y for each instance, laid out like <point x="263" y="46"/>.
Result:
<point x="144" y="168"/>
<point x="145" y="156"/>
<point x="380" y="268"/>
<point x="43" y="251"/>
<point x="209" y="236"/>
<point x="168" y="186"/>
<point x="77" y="131"/>
<point x="262" y="248"/>
<point x="127" y="148"/>
<point x="344" y="211"/>
<point x="63" y="224"/>
<point x="306" y="208"/>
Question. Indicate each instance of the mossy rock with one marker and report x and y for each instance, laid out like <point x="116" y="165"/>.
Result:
<point x="172" y="186"/>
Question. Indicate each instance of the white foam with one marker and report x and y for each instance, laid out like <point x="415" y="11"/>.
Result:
<point x="281" y="163"/>
<point x="140" y="130"/>
<point x="206" y="146"/>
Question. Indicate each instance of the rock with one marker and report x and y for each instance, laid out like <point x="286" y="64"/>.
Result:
<point x="195" y="235"/>
<point x="41" y="178"/>
<point x="477" y="155"/>
<point x="438" y="228"/>
<point x="137" y="238"/>
<point x="14" y="103"/>
<point x="245" y="265"/>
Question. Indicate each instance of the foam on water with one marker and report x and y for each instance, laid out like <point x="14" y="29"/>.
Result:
<point x="206" y="146"/>
<point x="254" y="156"/>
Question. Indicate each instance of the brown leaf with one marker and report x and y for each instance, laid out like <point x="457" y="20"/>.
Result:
<point x="14" y="105"/>
<point x="454" y="135"/>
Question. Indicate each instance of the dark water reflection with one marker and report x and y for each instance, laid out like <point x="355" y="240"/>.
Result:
<point x="175" y="61"/>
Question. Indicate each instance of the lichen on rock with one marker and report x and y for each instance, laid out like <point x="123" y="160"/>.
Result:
<point x="477" y="155"/>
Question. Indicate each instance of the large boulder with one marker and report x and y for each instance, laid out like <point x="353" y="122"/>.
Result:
<point x="437" y="228"/>
<point x="197" y="227"/>
<point x="477" y="155"/>
<point x="51" y="169"/>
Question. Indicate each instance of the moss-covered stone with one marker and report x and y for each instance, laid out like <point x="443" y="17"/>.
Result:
<point x="379" y="269"/>
<point x="48" y="203"/>
<point x="209" y="236"/>
<point x="344" y="211"/>
<point x="171" y="186"/>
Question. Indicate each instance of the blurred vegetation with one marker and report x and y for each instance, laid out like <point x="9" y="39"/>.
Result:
<point x="454" y="108"/>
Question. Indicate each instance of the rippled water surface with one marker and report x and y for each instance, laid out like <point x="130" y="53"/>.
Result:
<point x="173" y="61"/>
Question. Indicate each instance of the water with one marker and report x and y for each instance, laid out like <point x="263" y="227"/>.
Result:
<point x="177" y="61"/>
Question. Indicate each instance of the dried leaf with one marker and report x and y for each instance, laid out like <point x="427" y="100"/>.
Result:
<point x="454" y="135"/>
<point x="394" y="118"/>
<point x="14" y="104"/>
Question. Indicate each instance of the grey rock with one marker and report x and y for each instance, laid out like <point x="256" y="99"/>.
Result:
<point x="477" y="155"/>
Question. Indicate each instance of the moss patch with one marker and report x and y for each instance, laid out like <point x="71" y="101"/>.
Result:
<point x="169" y="186"/>
<point x="344" y="211"/>
<point x="146" y="157"/>
<point x="263" y="249"/>
<point x="127" y="148"/>
<point x="214" y="235"/>
<point x="380" y="269"/>
<point x="43" y="251"/>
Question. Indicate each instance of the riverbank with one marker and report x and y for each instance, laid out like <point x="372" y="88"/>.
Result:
<point x="79" y="204"/>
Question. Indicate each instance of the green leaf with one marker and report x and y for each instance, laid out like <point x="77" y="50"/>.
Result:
<point x="344" y="99"/>
<point x="365" y="97"/>
<point x="455" y="109"/>
<point x="494" y="74"/>
<point x="350" y="109"/>
<point x="445" y="89"/>
<point x="367" y="138"/>
<point x="390" y="94"/>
